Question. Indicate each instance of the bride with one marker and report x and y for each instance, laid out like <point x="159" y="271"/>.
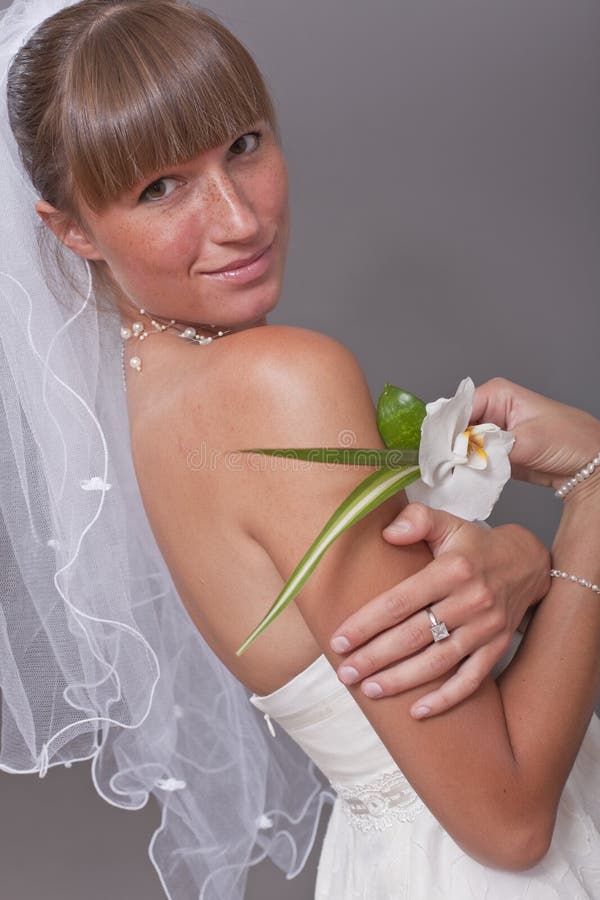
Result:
<point x="150" y="139"/>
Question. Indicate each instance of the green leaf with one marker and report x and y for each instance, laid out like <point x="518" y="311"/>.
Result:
<point x="370" y="493"/>
<point x="399" y="418"/>
<point x="353" y="457"/>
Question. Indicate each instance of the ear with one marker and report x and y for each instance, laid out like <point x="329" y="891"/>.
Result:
<point x="68" y="231"/>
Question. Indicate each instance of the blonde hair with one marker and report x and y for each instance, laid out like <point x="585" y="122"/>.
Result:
<point x="107" y="92"/>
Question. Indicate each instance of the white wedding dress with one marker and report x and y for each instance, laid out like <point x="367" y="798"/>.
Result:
<point x="382" y="843"/>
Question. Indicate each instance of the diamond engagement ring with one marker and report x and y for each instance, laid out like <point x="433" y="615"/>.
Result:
<point x="439" y="632"/>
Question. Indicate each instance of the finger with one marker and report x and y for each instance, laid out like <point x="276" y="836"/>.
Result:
<point x="525" y="473"/>
<point x="439" y="578"/>
<point x="468" y="607"/>
<point x="464" y="683"/>
<point x="434" y="662"/>
<point x="492" y="401"/>
<point x="438" y="658"/>
<point x="507" y="405"/>
<point x="417" y="522"/>
<point x="392" y="646"/>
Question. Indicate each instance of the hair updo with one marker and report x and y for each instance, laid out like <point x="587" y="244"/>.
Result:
<point x="106" y="92"/>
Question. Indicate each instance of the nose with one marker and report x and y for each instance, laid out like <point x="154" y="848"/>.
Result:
<point x="231" y="214"/>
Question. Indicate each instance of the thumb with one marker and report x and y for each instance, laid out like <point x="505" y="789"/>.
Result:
<point x="417" y="522"/>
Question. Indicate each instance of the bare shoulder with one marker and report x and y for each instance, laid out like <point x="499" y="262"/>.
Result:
<point x="289" y="346"/>
<point x="272" y="386"/>
<point x="297" y="384"/>
<point x="300" y="353"/>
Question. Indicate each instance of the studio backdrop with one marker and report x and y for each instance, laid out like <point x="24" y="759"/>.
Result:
<point x="444" y="160"/>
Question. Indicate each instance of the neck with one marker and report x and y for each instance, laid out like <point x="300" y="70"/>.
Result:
<point x="129" y="315"/>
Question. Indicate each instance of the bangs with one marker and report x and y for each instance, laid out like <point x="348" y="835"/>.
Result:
<point x="149" y="86"/>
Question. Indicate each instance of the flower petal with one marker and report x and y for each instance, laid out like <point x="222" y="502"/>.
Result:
<point x="470" y="493"/>
<point x="478" y="459"/>
<point x="445" y="420"/>
<point x="484" y="428"/>
<point x="461" y="446"/>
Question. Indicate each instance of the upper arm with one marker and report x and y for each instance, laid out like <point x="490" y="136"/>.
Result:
<point x="310" y="391"/>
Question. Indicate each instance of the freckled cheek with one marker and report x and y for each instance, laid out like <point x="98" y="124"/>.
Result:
<point x="272" y="196"/>
<point x="168" y="250"/>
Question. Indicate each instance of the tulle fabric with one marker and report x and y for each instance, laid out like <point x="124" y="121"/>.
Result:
<point x="98" y="658"/>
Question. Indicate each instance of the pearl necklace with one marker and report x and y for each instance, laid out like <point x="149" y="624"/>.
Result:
<point x="140" y="333"/>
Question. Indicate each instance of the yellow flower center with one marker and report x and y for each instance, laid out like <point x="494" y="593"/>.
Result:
<point x="475" y="443"/>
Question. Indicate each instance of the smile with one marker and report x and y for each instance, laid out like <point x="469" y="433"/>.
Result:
<point x="245" y="270"/>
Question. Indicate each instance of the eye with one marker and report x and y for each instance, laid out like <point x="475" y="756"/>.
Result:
<point x="158" y="190"/>
<point x="247" y="143"/>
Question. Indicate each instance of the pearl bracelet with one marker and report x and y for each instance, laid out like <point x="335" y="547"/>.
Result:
<point x="578" y="477"/>
<point x="556" y="573"/>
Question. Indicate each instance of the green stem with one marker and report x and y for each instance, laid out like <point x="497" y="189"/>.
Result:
<point x="356" y="456"/>
<point x="367" y="496"/>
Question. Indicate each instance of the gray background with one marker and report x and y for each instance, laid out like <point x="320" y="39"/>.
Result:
<point x="446" y="214"/>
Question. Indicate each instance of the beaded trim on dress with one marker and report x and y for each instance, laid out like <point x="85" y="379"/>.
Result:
<point x="381" y="803"/>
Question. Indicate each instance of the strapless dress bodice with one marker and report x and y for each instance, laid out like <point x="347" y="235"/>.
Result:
<point x="320" y="714"/>
<point x="382" y="843"/>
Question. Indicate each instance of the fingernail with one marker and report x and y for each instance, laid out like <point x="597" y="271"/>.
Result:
<point x="420" y="712"/>
<point x="372" y="689"/>
<point x="340" y="644"/>
<point x="399" y="527"/>
<point x="348" y="675"/>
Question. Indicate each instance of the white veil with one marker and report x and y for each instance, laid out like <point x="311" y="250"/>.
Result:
<point x="98" y="658"/>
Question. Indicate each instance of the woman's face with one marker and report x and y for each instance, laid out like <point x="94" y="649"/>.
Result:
<point x="204" y="241"/>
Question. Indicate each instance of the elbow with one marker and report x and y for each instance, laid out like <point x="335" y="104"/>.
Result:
<point x="512" y="840"/>
<point x="520" y="846"/>
<point x="529" y="849"/>
<point x="510" y="830"/>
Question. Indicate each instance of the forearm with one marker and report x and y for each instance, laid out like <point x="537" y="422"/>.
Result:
<point x="549" y="690"/>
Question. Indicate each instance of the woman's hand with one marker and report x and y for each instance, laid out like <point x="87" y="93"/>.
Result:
<point x="483" y="582"/>
<point x="553" y="441"/>
<point x="480" y="584"/>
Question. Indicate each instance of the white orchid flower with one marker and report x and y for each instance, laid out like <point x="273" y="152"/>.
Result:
<point x="463" y="468"/>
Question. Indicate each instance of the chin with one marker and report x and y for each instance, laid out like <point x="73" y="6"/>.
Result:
<point x="249" y="308"/>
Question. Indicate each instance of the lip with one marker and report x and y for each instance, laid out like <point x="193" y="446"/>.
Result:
<point x="244" y="269"/>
